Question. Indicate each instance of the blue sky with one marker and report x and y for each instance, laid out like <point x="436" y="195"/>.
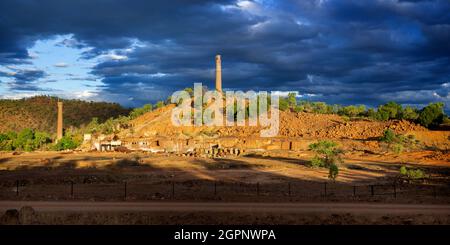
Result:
<point x="135" y="52"/>
<point x="66" y="74"/>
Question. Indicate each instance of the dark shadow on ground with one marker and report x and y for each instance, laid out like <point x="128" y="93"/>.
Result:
<point x="224" y="163"/>
<point x="281" y="159"/>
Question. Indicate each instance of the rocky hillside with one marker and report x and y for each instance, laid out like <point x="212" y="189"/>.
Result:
<point x="302" y="125"/>
<point x="40" y="113"/>
<point x="292" y="124"/>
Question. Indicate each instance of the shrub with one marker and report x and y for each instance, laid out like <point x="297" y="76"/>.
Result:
<point x="327" y="150"/>
<point x="23" y="138"/>
<point x="27" y="140"/>
<point x="11" y="135"/>
<point x="388" y="136"/>
<point x="397" y="148"/>
<point x="305" y="106"/>
<point x="6" y="145"/>
<point x="403" y="170"/>
<point x="298" y="108"/>
<point x="333" y="171"/>
<point x="28" y="146"/>
<point x="328" y="154"/>
<point x="317" y="162"/>
<point x="66" y="143"/>
<point x="3" y="137"/>
<point x="397" y="143"/>
<point x="111" y="125"/>
<point x="416" y="174"/>
<point x="41" y="139"/>
<point x="412" y="174"/>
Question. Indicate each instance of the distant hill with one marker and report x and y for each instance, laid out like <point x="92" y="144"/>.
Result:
<point x="40" y="113"/>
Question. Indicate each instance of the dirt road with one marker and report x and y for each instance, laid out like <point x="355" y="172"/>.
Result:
<point x="353" y="208"/>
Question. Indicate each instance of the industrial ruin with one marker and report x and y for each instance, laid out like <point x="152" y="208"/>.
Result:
<point x="154" y="133"/>
<point x="195" y="145"/>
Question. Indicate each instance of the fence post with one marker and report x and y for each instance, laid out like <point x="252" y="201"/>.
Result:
<point x="395" y="190"/>
<point x="325" y="188"/>
<point x="371" y="190"/>
<point x="125" y="191"/>
<point x="17" y="187"/>
<point x="257" y="188"/>
<point x="354" y="191"/>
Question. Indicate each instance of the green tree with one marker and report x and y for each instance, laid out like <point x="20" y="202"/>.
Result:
<point x="28" y="145"/>
<point x="390" y="110"/>
<point x="371" y="113"/>
<point x="382" y="115"/>
<point x="409" y="113"/>
<point x="283" y="104"/>
<point x="159" y="104"/>
<point x="328" y="154"/>
<point x="11" y="135"/>
<point x="3" y="137"/>
<point x="40" y="139"/>
<point x="333" y="171"/>
<point x="305" y="106"/>
<point x="66" y="143"/>
<point x="93" y="126"/>
<point x="319" y="107"/>
<point x="333" y="109"/>
<point x="327" y="150"/>
<point x="292" y="100"/>
<point x="23" y="137"/>
<point x="352" y="111"/>
<point x="136" y="112"/>
<point x="431" y="115"/>
<point x="5" y="143"/>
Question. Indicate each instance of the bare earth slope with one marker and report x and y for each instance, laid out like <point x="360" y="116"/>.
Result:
<point x="300" y="125"/>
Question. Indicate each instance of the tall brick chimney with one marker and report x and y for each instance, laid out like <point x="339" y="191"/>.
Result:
<point x="218" y="74"/>
<point x="59" y="127"/>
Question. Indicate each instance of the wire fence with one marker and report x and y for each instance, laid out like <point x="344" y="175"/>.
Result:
<point x="215" y="190"/>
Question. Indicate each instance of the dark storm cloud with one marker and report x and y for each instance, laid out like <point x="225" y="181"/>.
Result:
<point x="24" y="79"/>
<point x="343" y="51"/>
